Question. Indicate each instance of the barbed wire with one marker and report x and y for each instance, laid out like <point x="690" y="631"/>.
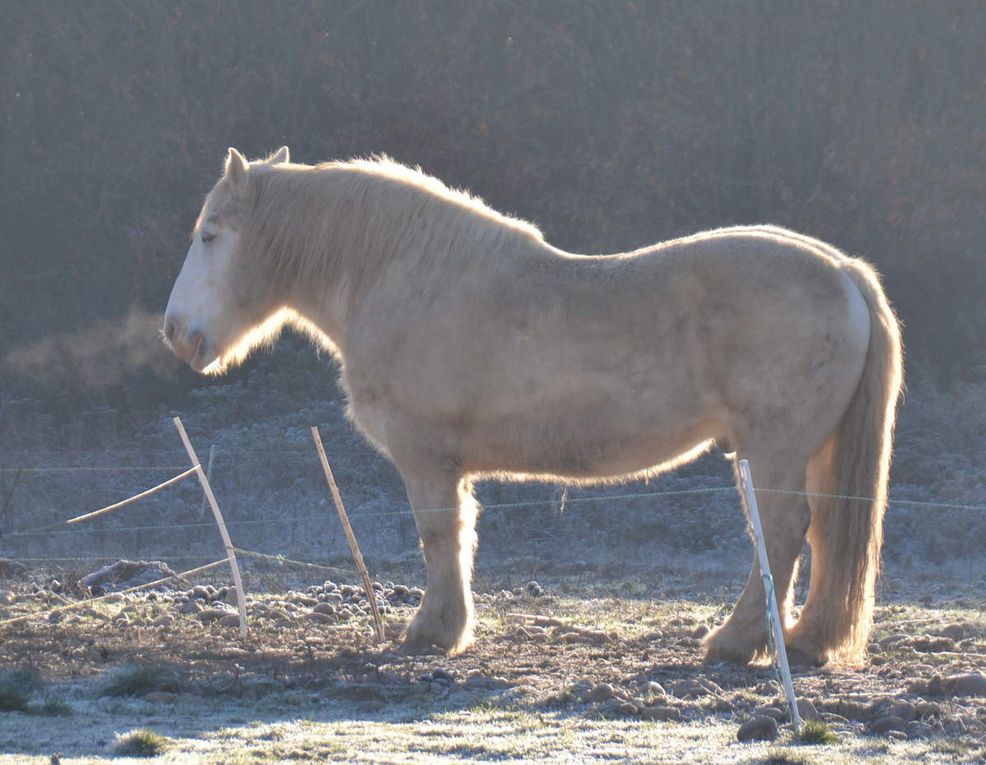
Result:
<point x="51" y="527"/>
<point x="56" y="528"/>
<point x="100" y="557"/>
<point x="303" y="563"/>
<point x="91" y="468"/>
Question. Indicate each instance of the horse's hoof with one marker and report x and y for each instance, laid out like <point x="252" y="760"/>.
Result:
<point x="718" y="649"/>
<point x="415" y="648"/>
<point x="801" y="655"/>
<point x="419" y="646"/>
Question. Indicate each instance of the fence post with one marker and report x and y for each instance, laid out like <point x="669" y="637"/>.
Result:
<point x="230" y="551"/>
<point x="773" y="614"/>
<point x="371" y="594"/>
<point x="208" y="476"/>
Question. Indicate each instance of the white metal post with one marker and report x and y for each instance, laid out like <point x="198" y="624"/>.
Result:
<point x="774" y="616"/>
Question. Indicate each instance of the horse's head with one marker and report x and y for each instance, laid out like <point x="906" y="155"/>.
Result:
<point x="216" y="304"/>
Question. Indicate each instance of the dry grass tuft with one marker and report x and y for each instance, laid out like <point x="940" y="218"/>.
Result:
<point x="142" y="742"/>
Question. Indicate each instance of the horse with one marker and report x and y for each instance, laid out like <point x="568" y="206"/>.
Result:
<point x="471" y="348"/>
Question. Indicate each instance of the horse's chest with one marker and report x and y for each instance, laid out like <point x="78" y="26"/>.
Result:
<point x="367" y="412"/>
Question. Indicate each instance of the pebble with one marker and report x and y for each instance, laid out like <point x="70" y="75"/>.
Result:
<point x="918" y="687"/>
<point x="7" y="598"/>
<point x="654" y="689"/>
<point x="807" y="710"/>
<point x="661" y="713"/>
<point x="190" y="607"/>
<point x="970" y="684"/>
<point x="918" y="729"/>
<point x="955" y="630"/>
<point x="892" y="639"/>
<point x="229" y="620"/>
<point x="601" y="692"/>
<point x="904" y="710"/>
<point x="887" y="724"/>
<point x="534" y="589"/>
<point x="766" y="711"/>
<point x="483" y="682"/>
<point x="925" y="709"/>
<point x="687" y="689"/>
<point x="442" y="676"/>
<point x="936" y="687"/>
<point x="211" y="614"/>
<point x="929" y="644"/>
<point x="761" y="728"/>
<point x="852" y="710"/>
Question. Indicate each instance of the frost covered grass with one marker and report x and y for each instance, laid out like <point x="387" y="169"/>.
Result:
<point x="142" y="742"/>
<point x="140" y="679"/>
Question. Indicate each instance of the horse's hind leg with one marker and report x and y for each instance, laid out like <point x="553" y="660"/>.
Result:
<point x="445" y="513"/>
<point x="784" y="517"/>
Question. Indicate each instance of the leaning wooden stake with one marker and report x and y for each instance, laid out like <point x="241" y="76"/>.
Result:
<point x="208" y="475"/>
<point x="773" y="614"/>
<point x="371" y="595"/>
<point x="134" y="498"/>
<point x="230" y="550"/>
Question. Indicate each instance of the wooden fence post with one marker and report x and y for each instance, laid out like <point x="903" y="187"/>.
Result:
<point x="230" y="551"/>
<point x="371" y="594"/>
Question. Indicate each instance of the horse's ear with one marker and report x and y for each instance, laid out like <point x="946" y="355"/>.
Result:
<point x="236" y="166"/>
<point x="280" y="156"/>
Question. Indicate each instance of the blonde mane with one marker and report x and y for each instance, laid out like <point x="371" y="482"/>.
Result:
<point x="343" y="223"/>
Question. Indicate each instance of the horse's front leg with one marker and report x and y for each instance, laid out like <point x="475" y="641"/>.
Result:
<point x="445" y="512"/>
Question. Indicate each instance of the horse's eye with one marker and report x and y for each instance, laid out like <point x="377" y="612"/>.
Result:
<point x="208" y="236"/>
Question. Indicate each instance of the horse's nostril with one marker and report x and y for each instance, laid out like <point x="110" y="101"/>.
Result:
<point x="170" y="330"/>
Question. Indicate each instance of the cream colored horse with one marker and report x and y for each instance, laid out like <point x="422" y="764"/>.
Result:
<point x="471" y="347"/>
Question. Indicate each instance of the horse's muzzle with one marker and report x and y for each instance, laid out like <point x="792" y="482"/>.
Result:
<point x="190" y="347"/>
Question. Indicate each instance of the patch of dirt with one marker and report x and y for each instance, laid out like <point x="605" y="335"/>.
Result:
<point x="618" y="656"/>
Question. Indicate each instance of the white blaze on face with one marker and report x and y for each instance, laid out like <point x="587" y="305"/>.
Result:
<point x="198" y="309"/>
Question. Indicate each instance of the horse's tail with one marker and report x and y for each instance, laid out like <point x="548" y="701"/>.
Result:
<point x="848" y="484"/>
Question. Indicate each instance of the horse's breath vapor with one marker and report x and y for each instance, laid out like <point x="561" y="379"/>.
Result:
<point x="100" y="356"/>
<point x="470" y="348"/>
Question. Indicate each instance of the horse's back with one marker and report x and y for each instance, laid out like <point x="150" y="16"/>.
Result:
<point x="582" y="365"/>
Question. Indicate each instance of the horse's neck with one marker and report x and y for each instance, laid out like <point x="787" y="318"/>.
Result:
<point x="368" y="253"/>
<point x="323" y="311"/>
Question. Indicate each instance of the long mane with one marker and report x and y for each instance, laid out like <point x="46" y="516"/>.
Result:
<point x="344" y="222"/>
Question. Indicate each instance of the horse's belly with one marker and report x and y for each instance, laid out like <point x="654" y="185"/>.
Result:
<point x="605" y="442"/>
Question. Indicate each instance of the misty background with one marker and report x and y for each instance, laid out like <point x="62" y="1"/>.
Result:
<point x="611" y="125"/>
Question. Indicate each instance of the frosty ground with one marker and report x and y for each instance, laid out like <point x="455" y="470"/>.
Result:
<point x="581" y="666"/>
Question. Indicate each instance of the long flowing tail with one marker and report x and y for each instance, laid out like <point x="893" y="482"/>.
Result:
<point x="848" y="480"/>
